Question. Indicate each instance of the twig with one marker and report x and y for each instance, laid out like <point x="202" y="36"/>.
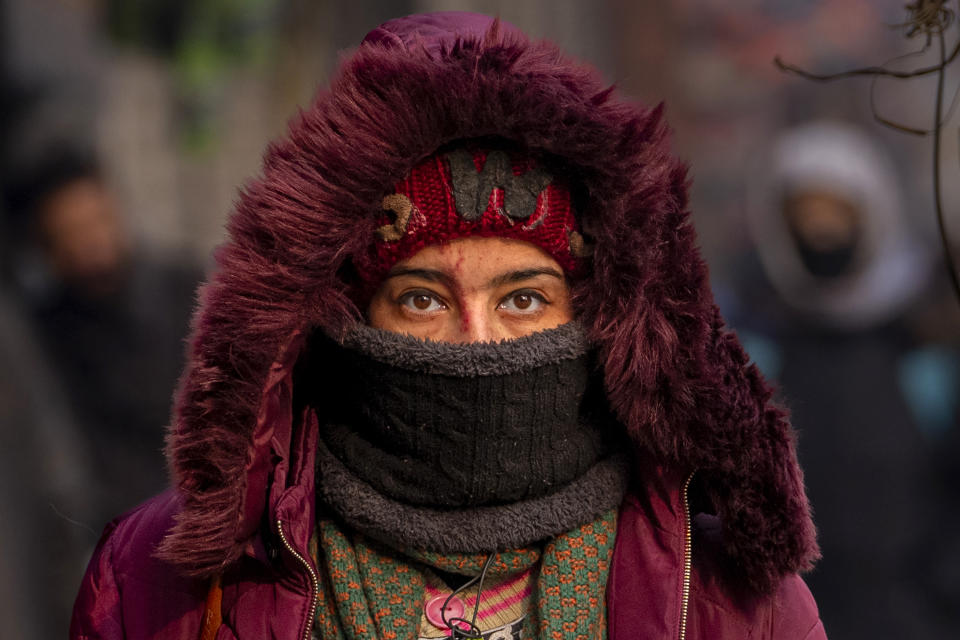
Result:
<point x="941" y="223"/>
<point x="873" y="97"/>
<point x="866" y="71"/>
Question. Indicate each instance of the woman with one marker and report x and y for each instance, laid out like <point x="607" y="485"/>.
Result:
<point x="461" y="330"/>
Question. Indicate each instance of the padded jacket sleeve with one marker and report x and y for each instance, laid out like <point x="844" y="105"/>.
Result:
<point x="795" y="615"/>
<point x="97" y="612"/>
<point x="127" y="593"/>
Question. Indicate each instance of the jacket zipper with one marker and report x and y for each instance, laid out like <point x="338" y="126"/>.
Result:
<point x="314" y="583"/>
<point x="687" y="558"/>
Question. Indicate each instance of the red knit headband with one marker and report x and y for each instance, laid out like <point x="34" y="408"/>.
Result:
<point x="475" y="192"/>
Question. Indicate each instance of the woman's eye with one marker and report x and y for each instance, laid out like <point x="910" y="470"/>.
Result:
<point x="523" y="302"/>
<point x="421" y="302"/>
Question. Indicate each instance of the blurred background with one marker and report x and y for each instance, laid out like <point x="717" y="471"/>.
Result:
<point x="128" y="126"/>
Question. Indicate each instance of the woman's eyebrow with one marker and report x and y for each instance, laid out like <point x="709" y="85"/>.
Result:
<point x="432" y="275"/>
<point x="524" y="274"/>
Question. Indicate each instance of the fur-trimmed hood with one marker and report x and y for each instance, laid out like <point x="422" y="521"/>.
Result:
<point x="678" y="381"/>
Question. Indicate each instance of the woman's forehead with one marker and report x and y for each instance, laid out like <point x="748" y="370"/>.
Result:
<point x="480" y="258"/>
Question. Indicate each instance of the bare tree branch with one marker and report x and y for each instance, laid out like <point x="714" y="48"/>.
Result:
<point x="931" y="18"/>
<point x="941" y="223"/>
<point x="867" y="71"/>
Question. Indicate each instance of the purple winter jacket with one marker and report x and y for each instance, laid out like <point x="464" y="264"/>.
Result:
<point x="708" y="440"/>
<point x="129" y="593"/>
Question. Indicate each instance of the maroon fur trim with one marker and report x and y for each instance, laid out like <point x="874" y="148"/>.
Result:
<point x="678" y="380"/>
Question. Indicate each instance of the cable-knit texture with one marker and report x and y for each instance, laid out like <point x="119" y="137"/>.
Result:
<point x="448" y="441"/>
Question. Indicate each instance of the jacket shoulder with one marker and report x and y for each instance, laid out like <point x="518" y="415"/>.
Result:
<point x="787" y="612"/>
<point x="794" y="613"/>
<point x="127" y="592"/>
<point x="649" y="566"/>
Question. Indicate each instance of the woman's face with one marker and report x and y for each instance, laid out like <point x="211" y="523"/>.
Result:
<point x="473" y="289"/>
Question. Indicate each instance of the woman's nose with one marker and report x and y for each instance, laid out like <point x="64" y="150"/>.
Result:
<point x="476" y="324"/>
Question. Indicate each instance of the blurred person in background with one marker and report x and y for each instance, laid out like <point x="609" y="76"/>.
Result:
<point x="824" y="314"/>
<point x="111" y="319"/>
<point x="45" y="473"/>
<point x="932" y="376"/>
<point x="44" y="485"/>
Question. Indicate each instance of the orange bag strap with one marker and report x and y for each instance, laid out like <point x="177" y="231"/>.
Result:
<point x="212" y="615"/>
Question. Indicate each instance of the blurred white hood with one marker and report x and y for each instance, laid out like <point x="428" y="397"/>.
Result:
<point x="892" y="265"/>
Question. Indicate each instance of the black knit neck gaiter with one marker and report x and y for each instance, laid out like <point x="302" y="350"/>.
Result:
<point x="458" y="425"/>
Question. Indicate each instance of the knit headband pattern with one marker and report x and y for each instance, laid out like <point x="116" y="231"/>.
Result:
<point x="472" y="191"/>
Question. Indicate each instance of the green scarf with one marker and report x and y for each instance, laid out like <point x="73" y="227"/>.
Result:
<point x="370" y="592"/>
